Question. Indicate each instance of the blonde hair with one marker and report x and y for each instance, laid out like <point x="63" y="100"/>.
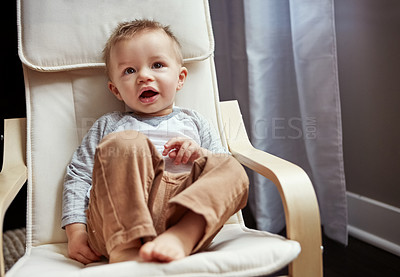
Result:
<point x="126" y="30"/>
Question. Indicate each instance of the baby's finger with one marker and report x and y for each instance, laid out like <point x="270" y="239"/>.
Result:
<point x="182" y="152"/>
<point x="89" y="254"/>
<point x="190" y="154"/>
<point x="81" y="258"/>
<point x="172" y="154"/>
<point x="171" y="144"/>
<point x="186" y="156"/>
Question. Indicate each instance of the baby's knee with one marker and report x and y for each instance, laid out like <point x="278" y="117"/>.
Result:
<point x="124" y="143"/>
<point x="233" y="167"/>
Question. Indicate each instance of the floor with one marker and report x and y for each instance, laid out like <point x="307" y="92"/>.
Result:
<point x="358" y="259"/>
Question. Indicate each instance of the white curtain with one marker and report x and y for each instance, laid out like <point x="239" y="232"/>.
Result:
<point x="291" y="99"/>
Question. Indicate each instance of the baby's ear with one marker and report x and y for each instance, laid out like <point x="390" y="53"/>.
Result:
<point x="114" y="90"/>
<point x="182" y="77"/>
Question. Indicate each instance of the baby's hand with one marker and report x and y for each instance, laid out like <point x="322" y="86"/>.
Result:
<point x="78" y="247"/>
<point x="183" y="150"/>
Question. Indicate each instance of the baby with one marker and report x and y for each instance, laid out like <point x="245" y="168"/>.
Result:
<point x="154" y="184"/>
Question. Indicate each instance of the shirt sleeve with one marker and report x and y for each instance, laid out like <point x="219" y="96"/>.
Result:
<point x="78" y="178"/>
<point x="209" y="137"/>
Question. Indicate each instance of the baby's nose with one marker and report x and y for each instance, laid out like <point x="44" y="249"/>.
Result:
<point x="144" y="75"/>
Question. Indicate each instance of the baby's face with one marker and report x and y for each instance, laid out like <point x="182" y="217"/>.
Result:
<point x="145" y="73"/>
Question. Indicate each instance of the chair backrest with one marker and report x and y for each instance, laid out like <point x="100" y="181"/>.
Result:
<point x="60" y="44"/>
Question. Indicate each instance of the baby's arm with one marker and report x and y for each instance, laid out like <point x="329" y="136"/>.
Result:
<point x="76" y="186"/>
<point x="77" y="183"/>
<point x="184" y="150"/>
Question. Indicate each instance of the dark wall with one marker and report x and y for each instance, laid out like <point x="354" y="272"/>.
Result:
<point x="12" y="102"/>
<point x="12" y="99"/>
<point x="368" y="39"/>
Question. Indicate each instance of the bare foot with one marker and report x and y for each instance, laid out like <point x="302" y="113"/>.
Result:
<point x="177" y="242"/>
<point x="123" y="253"/>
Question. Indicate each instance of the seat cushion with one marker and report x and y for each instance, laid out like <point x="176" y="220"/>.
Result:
<point x="235" y="251"/>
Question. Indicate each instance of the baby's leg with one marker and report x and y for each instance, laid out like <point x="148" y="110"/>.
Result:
<point x="215" y="189"/>
<point x="126" y="175"/>
<point x="176" y="242"/>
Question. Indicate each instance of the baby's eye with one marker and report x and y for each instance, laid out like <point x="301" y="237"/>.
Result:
<point x="157" y="65"/>
<point x="129" y="70"/>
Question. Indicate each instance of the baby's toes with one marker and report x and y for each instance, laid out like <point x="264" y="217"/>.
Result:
<point x="167" y="254"/>
<point x="146" y="251"/>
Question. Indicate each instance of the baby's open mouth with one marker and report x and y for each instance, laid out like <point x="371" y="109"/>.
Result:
<point x="148" y="94"/>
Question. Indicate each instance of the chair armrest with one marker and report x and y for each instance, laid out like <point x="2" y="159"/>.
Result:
<point x="14" y="173"/>
<point x="295" y="188"/>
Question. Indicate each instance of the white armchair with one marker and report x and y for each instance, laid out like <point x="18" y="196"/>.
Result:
<point x="60" y="45"/>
